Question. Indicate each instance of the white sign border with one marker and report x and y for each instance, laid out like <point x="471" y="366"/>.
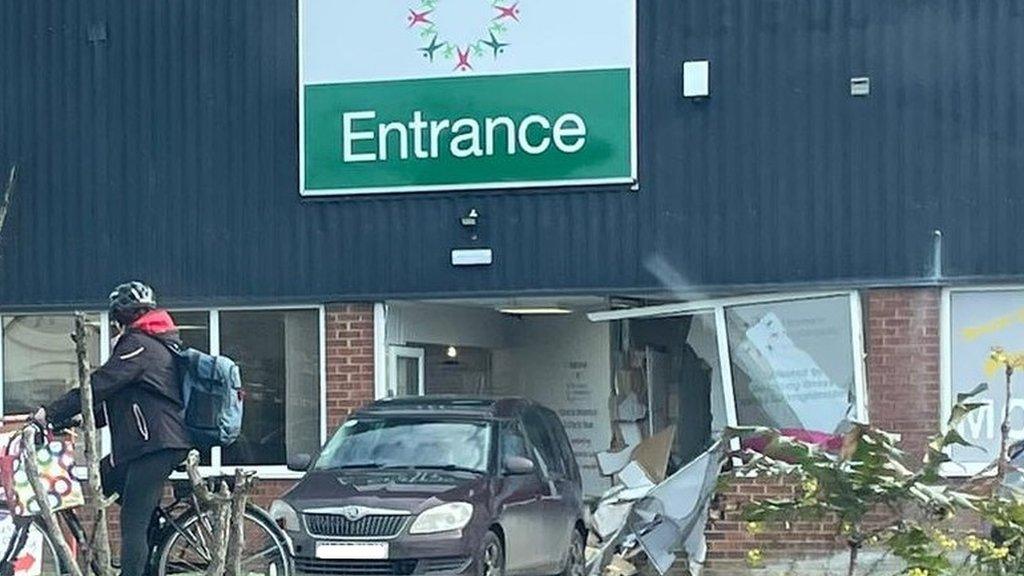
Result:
<point x="632" y="180"/>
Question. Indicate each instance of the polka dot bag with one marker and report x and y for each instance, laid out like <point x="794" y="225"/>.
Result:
<point x="56" y="460"/>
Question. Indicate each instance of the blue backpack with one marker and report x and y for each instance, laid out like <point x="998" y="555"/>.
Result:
<point x="211" y="388"/>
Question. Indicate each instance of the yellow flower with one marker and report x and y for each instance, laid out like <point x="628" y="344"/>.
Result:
<point x="810" y="486"/>
<point x="945" y="542"/>
<point x="1000" y="553"/>
<point x="753" y="528"/>
<point x="998" y="354"/>
<point x="917" y="572"/>
<point x="754" y="558"/>
<point x="974" y="544"/>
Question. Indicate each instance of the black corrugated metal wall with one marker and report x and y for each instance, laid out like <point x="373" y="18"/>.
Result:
<point x="157" y="140"/>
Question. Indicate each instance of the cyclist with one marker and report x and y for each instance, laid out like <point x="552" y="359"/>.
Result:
<point x="138" y="395"/>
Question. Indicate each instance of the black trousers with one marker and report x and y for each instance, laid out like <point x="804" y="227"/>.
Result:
<point x="139" y="484"/>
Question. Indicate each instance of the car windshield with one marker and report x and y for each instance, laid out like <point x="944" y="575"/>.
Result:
<point x="408" y="443"/>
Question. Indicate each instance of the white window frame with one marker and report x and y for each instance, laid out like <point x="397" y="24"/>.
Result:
<point x="274" y="472"/>
<point x="380" y="350"/>
<point x="955" y="469"/>
<point x="719" y="306"/>
<point x="396" y="351"/>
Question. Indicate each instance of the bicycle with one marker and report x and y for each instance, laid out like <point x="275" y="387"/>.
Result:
<point x="178" y="534"/>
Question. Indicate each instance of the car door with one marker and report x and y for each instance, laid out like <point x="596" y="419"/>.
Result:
<point x="558" y="491"/>
<point x="521" y="511"/>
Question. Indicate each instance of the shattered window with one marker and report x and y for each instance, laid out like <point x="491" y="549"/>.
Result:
<point x="793" y="363"/>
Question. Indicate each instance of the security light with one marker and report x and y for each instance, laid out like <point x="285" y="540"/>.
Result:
<point x="470" y="218"/>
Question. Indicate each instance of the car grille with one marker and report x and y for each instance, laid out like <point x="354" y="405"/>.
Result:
<point x="356" y="567"/>
<point x="372" y="526"/>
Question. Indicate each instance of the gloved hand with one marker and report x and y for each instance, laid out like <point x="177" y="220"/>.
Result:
<point x="39" y="421"/>
<point x="40" y="417"/>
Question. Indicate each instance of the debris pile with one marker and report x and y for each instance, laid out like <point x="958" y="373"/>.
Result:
<point x="646" y="517"/>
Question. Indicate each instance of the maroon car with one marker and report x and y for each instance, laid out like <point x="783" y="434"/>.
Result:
<point x="439" y="485"/>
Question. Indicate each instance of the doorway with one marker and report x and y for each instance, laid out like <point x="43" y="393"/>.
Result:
<point x="405" y="371"/>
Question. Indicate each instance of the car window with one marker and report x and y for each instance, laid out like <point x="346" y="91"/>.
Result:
<point x="512" y="442"/>
<point x="561" y="441"/>
<point x="540" y="437"/>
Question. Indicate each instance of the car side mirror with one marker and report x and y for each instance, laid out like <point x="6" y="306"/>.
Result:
<point x="518" y="465"/>
<point x="299" y="462"/>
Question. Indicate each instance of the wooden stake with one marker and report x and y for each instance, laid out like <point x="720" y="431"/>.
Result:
<point x="98" y="547"/>
<point x="221" y="511"/>
<point x="226" y="509"/>
<point x="244" y="482"/>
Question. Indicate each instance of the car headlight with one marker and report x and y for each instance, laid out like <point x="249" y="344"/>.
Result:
<point x="451" y="516"/>
<point x="284" y="516"/>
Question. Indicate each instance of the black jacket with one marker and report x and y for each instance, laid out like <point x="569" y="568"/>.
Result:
<point x="138" y="394"/>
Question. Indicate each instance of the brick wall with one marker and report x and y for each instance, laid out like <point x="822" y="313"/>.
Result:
<point x="902" y="341"/>
<point x="349" y="360"/>
<point x="728" y="537"/>
<point x="901" y="334"/>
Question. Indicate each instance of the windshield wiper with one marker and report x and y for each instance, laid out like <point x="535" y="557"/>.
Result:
<point x="448" y="468"/>
<point x="358" y="465"/>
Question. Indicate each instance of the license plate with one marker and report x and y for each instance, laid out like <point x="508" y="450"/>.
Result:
<point x="352" y="550"/>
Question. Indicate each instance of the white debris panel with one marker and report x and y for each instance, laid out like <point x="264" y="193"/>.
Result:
<point x="646" y="517"/>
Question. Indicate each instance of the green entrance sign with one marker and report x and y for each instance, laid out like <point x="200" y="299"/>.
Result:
<point x="501" y="95"/>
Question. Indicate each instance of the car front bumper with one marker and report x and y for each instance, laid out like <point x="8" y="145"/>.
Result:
<point x="427" y="554"/>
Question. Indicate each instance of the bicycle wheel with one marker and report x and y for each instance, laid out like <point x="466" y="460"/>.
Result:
<point x="185" y="552"/>
<point x="38" y="554"/>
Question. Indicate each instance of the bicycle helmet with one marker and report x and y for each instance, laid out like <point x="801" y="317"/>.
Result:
<point x="130" y="300"/>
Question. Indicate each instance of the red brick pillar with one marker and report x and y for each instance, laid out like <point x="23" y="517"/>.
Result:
<point x="902" y="340"/>
<point x="350" y="367"/>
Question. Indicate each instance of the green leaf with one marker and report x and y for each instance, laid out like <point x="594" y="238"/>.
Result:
<point x="954" y="438"/>
<point x="961" y="410"/>
<point x="964" y="396"/>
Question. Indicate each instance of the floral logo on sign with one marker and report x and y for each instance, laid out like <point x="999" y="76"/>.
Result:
<point x="440" y="47"/>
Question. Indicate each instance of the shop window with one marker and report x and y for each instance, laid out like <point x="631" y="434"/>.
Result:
<point x="979" y="321"/>
<point x="193" y="329"/>
<point x="39" y="362"/>
<point x="787" y="363"/>
<point x="679" y="381"/>
<point x="278" y="353"/>
<point x="793" y="363"/>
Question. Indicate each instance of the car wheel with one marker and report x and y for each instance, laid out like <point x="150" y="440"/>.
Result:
<point x="575" y="564"/>
<point x="492" y="556"/>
